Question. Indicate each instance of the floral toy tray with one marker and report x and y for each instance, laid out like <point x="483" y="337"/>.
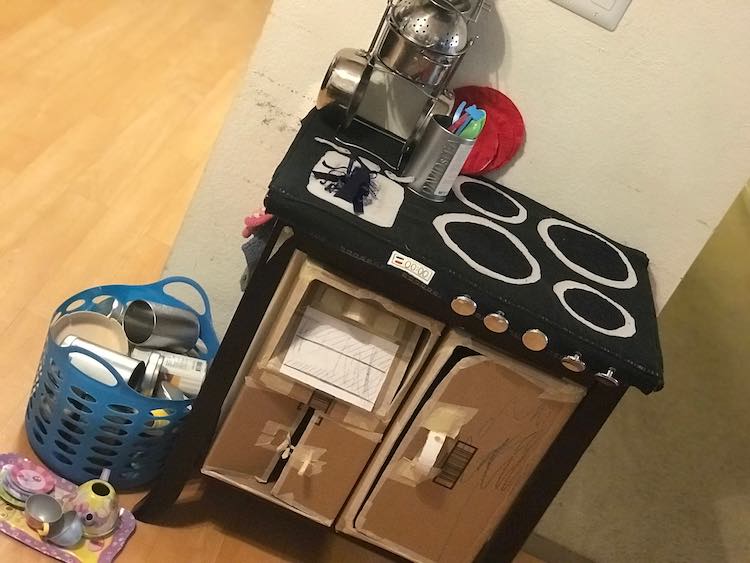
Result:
<point x="13" y="524"/>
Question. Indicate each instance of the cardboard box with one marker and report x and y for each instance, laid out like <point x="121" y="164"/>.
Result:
<point x="324" y="467"/>
<point x="284" y="451"/>
<point x="256" y="432"/>
<point x="287" y="282"/>
<point x="437" y="494"/>
<point x="316" y="287"/>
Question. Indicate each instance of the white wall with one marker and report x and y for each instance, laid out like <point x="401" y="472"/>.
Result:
<point x="643" y="133"/>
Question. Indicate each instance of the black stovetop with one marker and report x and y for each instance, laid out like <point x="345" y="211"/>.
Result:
<point x="588" y="294"/>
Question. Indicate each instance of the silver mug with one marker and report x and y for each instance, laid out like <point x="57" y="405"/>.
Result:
<point x="154" y="325"/>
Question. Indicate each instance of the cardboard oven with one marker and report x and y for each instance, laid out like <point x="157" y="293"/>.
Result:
<point x="292" y="433"/>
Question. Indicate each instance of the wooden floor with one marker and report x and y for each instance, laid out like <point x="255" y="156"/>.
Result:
<point x="108" y="113"/>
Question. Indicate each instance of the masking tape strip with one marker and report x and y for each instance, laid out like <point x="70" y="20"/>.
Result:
<point x="288" y="498"/>
<point x="274" y="437"/>
<point x="552" y="388"/>
<point x="427" y="458"/>
<point x="315" y="271"/>
<point x="306" y="460"/>
<point x="376" y="437"/>
<point x="366" y="421"/>
<point x="251" y="382"/>
<point x="276" y="383"/>
<point x="448" y="419"/>
<point x="411" y="473"/>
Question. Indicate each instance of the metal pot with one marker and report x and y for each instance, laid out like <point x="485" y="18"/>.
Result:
<point x="344" y="85"/>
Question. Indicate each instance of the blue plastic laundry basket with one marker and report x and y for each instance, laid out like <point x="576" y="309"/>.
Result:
<point x="79" y="426"/>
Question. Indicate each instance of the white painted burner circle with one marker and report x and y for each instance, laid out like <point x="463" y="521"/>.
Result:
<point x="516" y="219"/>
<point x="443" y="221"/>
<point x="628" y="283"/>
<point x="625" y="331"/>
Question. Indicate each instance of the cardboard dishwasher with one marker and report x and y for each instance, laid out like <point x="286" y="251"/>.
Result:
<point x="454" y="459"/>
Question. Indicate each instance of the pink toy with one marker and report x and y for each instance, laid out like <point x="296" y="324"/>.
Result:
<point x="255" y="221"/>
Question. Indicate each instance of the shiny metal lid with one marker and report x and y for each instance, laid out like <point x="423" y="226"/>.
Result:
<point x="151" y="377"/>
<point x="496" y="322"/>
<point x="464" y="305"/>
<point x="535" y="340"/>
<point x="431" y="24"/>
<point x="574" y="363"/>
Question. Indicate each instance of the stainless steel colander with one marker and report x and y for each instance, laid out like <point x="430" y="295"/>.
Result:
<point x="432" y="24"/>
<point x="424" y="41"/>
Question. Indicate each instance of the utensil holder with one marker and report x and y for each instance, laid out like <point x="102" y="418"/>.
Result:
<point x="437" y="160"/>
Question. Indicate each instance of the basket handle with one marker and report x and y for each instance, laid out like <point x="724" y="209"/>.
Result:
<point x="210" y="340"/>
<point x="162" y="284"/>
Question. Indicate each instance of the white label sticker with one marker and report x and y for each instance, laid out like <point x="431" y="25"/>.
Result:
<point x="411" y="267"/>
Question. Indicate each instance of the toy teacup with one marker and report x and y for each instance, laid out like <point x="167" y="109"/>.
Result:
<point x="42" y="511"/>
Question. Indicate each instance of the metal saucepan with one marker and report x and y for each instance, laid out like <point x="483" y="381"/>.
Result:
<point x="344" y="85"/>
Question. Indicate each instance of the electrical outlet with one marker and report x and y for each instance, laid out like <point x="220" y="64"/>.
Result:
<point x="604" y="13"/>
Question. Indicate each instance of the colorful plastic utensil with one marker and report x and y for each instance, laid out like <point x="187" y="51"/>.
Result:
<point x="473" y="129"/>
<point x="476" y="115"/>
<point x="463" y="120"/>
<point x="459" y="111"/>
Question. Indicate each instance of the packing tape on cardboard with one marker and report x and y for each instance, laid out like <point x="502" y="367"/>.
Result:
<point x="427" y="458"/>
<point x="375" y="437"/>
<point x="276" y="383"/>
<point x="443" y="422"/>
<point x="288" y="498"/>
<point x="360" y="530"/>
<point x="422" y="468"/>
<point x="552" y="388"/>
<point x="448" y="419"/>
<point x="361" y="419"/>
<point x="274" y="437"/>
<point x="306" y="460"/>
<point x="250" y="381"/>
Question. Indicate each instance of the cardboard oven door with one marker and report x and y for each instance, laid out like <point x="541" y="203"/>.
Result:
<point x="463" y="458"/>
<point x="324" y="467"/>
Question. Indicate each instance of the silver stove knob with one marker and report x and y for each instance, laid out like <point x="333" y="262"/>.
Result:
<point x="608" y="378"/>
<point x="496" y="322"/>
<point x="574" y="363"/>
<point x="464" y="306"/>
<point x="535" y="340"/>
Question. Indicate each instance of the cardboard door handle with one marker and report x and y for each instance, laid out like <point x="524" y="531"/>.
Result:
<point x="427" y="458"/>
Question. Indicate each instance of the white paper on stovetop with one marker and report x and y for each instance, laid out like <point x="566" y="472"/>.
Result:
<point x="339" y="359"/>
